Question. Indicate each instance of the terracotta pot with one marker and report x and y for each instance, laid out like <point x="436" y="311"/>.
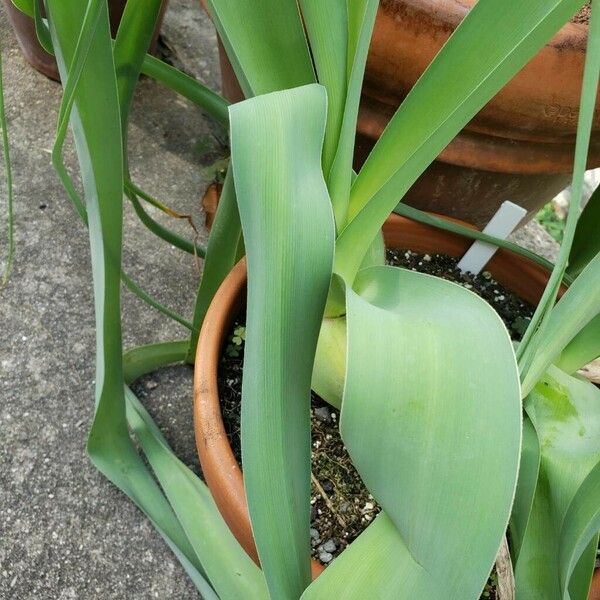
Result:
<point x="219" y="466"/>
<point x="520" y="147"/>
<point x="595" y="589"/>
<point x="37" y="57"/>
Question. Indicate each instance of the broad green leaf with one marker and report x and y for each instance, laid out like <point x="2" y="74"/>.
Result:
<point x="9" y="186"/>
<point x="265" y="43"/>
<point x="230" y="570"/>
<point x="586" y="243"/>
<point x="361" y="19"/>
<point x="583" y="348"/>
<point x="486" y="51"/>
<point x="437" y="367"/>
<point x="578" y="306"/>
<point x="529" y="469"/>
<point x="288" y="227"/>
<point x="565" y="412"/>
<point x="379" y="565"/>
<point x="327" y="27"/>
<point x="221" y="255"/>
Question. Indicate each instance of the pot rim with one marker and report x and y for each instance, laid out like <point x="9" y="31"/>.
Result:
<point x="219" y="465"/>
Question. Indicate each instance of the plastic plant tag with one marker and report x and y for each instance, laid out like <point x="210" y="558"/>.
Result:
<point x="501" y="225"/>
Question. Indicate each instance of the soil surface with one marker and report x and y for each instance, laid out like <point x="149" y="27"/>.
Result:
<point x="341" y="506"/>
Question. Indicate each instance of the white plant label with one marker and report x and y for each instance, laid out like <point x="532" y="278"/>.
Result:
<point x="502" y="224"/>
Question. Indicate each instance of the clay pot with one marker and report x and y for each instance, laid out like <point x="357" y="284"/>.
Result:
<point x="520" y="147"/>
<point x="37" y="57"/>
<point x="595" y="589"/>
<point x="219" y="466"/>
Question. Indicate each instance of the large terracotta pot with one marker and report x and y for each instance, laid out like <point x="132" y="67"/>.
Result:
<point x="520" y="147"/>
<point x="219" y="465"/>
<point x="36" y="56"/>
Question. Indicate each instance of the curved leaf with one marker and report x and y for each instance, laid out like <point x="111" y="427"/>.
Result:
<point x="265" y="43"/>
<point x="577" y="307"/>
<point x="565" y="412"/>
<point x="487" y="52"/>
<point x="430" y="369"/>
<point x="586" y="243"/>
<point x="286" y="216"/>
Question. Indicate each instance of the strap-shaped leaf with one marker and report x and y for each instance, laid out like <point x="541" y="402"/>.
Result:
<point x="265" y="43"/>
<point x="581" y="524"/>
<point x="327" y="27"/>
<point x="361" y="19"/>
<point x="529" y="469"/>
<point x="477" y="61"/>
<point x="574" y="311"/>
<point x="565" y="412"/>
<point x="586" y="244"/>
<point x="286" y="215"/>
<point x="430" y="368"/>
<point x="221" y="255"/>
<point x="229" y="569"/>
<point x="583" y="348"/>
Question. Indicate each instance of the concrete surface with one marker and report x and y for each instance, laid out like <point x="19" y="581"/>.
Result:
<point x="65" y="532"/>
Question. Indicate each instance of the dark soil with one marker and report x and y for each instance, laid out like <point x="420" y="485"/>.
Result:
<point x="515" y="313"/>
<point x="341" y="506"/>
<point x="583" y="16"/>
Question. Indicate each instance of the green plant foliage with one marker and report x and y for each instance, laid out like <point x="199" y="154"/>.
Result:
<point x="586" y="243"/>
<point x="565" y="412"/>
<point x="9" y="186"/>
<point x="420" y="349"/>
<point x="265" y="43"/>
<point x="441" y="104"/>
<point x="551" y="222"/>
<point x="281" y="200"/>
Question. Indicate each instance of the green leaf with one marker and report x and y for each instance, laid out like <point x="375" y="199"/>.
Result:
<point x="578" y="306"/>
<point x="586" y="243"/>
<point x="83" y="43"/>
<point x="327" y="27"/>
<point x="437" y="367"/>
<point x="329" y="369"/>
<point x="288" y="227"/>
<point x="582" y="349"/>
<point x="25" y="6"/>
<point x="231" y="571"/>
<point x="487" y="52"/>
<point x="9" y="186"/>
<point x="188" y="87"/>
<point x="361" y="19"/>
<point x="134" y="35"/>
<point x="581" y="524"/>
<point x="221" y="255"/>
<point x="565" y="412"/>
<point x="529" y="469"/>
<point x="379" y="565"/>
<point x="534" y="336"/>
<point x="265" y="43"/>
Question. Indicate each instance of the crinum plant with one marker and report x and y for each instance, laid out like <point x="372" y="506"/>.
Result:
<point x="420" y="367"/>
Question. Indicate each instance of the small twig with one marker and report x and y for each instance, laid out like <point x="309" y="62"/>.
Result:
<point x="504" y="571"/>
<point x="327" y="500"/>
